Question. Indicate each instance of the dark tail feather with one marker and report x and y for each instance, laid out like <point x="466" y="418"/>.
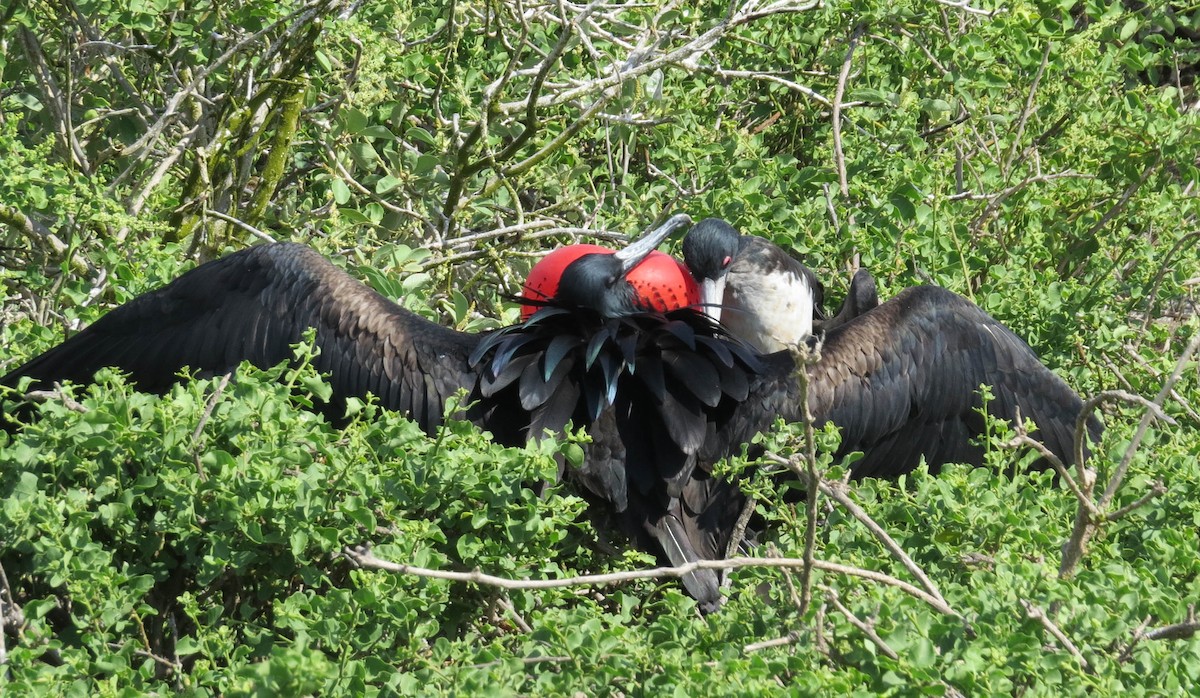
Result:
<point x="702" y="585"/>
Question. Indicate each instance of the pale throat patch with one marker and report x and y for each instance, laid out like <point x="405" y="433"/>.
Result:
<point x="773" y="311"/>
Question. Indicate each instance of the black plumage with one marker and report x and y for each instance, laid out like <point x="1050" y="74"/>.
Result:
<point x="664" y="396"/>
<point x="590" y="355"/>
<point x="861" y="297"/>
<point x="900" y="379"/>
<point x="252" y="306"/>
<point x="902" y="382"/>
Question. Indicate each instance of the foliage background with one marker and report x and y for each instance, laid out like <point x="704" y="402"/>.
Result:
<point x="1038" y="157"/>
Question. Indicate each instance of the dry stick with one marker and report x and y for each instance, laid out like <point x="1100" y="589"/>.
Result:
<point x="1138" y="634"/>
<point x="10" y="613"/>
<point x="838" y="154"/>
<point x="805" y="357"/>
<point x="1179" y="399"/>
<point x="789" y="639"/>
<point x="209" y="406"/>
<point x="966" y="7"/>
<point x="54" y="99"/>
<point x="265" y="237"/>
<point x="863" y="626"/>
<point x="142" y="148"/>
<point x="359" y="186"/>
<point x="507" y="605"/>
<point x="739" y="528"/>
<point x="1091" y="514"/>
<point x="1177" y="631"/>
<point x="837" y="492"/>
<point x="1040" y="615"/>
<point x="57" y="394"/>
<point x="366" y="559"/>
<point x="1027" y="111"/>
<point x="1157" y="489"/>
<point x="804" y="90"/>
<point x="685" y="55"/>
<point x="1023" y="440"/>
<point x="1115" y="481"/>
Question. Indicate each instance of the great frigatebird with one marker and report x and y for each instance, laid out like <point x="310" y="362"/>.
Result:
<point x="649" y="385"/>
<point x="901" y="379"/>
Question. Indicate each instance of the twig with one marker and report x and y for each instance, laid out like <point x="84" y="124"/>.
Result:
<point x="866" y="628"/>
<point x="838" y="154"/>
<point x="1151" y="413"/>
<point x="836" y="491"/>
<point x="966" y="7"/>
<point x="365" y="558"/>
<point x="1038" y="614"/>
<point x="739" y="528"/>
<point x="208" y="410"/>
<point x="1177" y="631"/>
<point x="1179" y="399"/>
<point x="789" y="639"/>
<point x="10" y="614"/>
<point x="1138" y="634"/>
<point x="769" y="77"/>
<point x="507" y="605"/>
<point x="804" y="358"/>
<point x="1023" y="440"/>
<point x="265" y="237"/>
<point x="1157" y="489"/>
<point x="57" y="394"/>
<point x="1028" y="110"/>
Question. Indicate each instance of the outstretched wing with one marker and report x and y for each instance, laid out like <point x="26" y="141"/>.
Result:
<point x="902" y="381"/>
<point x="251" y="306"/>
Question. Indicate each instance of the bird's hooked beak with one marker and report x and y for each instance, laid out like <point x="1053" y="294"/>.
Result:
<point x="635" y="252"/>
<point x="712" y="296"/>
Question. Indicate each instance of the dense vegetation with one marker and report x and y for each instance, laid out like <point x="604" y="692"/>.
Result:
<point x="1038" y="157"/>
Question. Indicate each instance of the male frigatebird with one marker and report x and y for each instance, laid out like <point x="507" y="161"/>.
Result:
<point x="900" y="378"/>
<point x="649" y="385"/>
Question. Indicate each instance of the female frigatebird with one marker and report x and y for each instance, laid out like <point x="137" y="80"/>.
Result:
<point x="647" y="384"/>
<point x="900" y="379"/>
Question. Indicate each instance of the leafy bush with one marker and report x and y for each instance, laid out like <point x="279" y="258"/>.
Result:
<point x="1039" y="158"/>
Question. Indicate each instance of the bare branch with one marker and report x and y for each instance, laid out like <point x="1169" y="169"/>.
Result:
<point x="58" y="395"/>
<point x="789" y="639"/>
<point x="1019" y="132"/>
<point x="965" y="6"/>
<point x="1118" y="475"/>
<point x="1038" y="614"/>
<point x="864" y="627"/>
<point x="837" y="492"/>
<point x="839" y="155"/>
<point x="364" y="558"/>
<point x="265" y="237"/>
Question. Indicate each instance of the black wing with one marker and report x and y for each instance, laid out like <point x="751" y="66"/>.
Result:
<point x="902" y="381"/>
<point x="861" y="297"/>
<point x="251" y="306"/>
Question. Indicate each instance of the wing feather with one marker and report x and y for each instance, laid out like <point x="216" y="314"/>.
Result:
<point x="252" y="306"/>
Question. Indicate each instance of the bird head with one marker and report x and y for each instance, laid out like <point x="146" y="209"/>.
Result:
<point x="708" y="250"/>
<point x="636" y="278"/>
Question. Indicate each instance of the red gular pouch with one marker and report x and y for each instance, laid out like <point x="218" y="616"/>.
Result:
<point x="662" y="282"/>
